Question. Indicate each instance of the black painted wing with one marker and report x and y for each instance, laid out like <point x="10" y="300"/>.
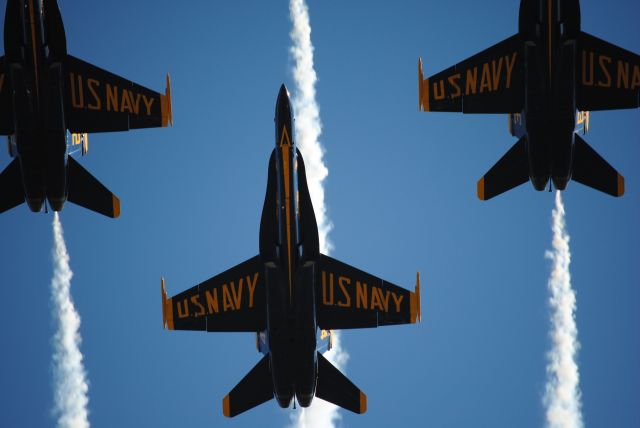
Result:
<point x="607" y="76"/>
<point x="491" y="81"/>
<point x="99" y="101"/>
<point x="231" y="301"/>
<point x="350" y="298"/>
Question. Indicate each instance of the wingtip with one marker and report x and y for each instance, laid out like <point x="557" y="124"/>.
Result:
<point x="417" y="291"/>
<point x="116" y="206"/>
<point x="166" y="104"/>
<point x="415" y="314"/>
<point x="163" y="293"/>
<point x="167" y="308"/>
<point x="226" y="409"/>
<point x="480" y="189"/>
<point x="420" y="79"/>
<point x="363" y="402"/>
<point x="620" y="185"/>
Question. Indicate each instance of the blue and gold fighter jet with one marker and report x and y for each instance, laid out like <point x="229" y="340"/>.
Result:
<point x="289" y="294"/>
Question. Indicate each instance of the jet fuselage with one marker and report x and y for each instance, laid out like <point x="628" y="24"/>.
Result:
<point x="289" y="268"/>
<point x="549" y="29"/>
<point x="35" y="49"/>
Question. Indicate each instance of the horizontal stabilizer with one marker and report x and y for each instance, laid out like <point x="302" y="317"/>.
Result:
<point x="590" y="169"/>
<point x="254" y="389"/>
<point x="335" y="388"/>
<point x="11" y="190"/>
<point x="86" y="191"/>
<point x="510" y="171"/>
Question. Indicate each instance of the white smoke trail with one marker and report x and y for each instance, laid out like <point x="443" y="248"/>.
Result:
<point x="71" y="388"/>
<point x="562" y="395"/>
<point x="320" y="414"/>
<point x="308" y="125"/>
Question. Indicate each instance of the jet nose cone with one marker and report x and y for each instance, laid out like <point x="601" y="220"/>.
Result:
<point x="283" y="104"/>
<point x="284" y="118"/>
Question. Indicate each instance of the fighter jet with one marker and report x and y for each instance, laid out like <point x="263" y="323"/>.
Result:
<point x="289" y="294"/>
<point x="43" y="93"/>
<point x="547" y="77"/>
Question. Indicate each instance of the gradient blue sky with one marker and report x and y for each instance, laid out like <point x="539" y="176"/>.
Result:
<point x="401" y="196"/>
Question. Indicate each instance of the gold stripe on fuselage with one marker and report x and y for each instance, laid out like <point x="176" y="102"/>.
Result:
<point x="34" y="43"/>
<point x="287" y="194"/>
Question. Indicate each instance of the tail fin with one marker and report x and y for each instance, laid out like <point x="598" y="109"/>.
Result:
<point x="11" y="190"/>
<point x="254" y="389"/>
<point x="590" y="169"/>
<point x="84" y="190"/>
<point x="510" y="171"/>
<point x="335" y="388"/>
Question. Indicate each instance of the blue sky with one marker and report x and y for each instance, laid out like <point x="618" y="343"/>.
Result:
<point x="401" y="197"/>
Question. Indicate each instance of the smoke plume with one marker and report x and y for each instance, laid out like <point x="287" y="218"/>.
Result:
<point x="320" y="414"/>
<point x="70" y="384"/>
<point x="562" y="395"/>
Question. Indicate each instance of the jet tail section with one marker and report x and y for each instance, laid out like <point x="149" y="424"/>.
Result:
<point x="510" y="171"/>
<point x="86" y="191"/>
<point x="335" y="388"/>
<point x="11" y="190"/>
<point x="590" y="169"/>
<point x="254" y="389"/>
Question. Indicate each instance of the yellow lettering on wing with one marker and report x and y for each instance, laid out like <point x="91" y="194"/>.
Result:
<point x="251" y="285"/>
<point x="342" y="282"/>
<point x="510" y="65"/>
<point x="361" y="295"/>
<point x="195" y="299"/>
<point x="603" y="61"/>
<point x="438" y="90"/>
<point x="622" y="75"/>
<point x="227" y="301"/>
<point x="112" y="98"/>
<point x="212" y="300"/>
<point x="635" y="81"/>
<point x="453" y="81"/>
<point x="148" y="102"/>
<point x="77" y="94"/>
<point x="485" y="80"/>
<point x="472" y="80"/>
<point x="325" y="300"/>
<point x="135" y="101"/>
<point x="125" y="102"/>
<point x="236" y="293"/>
<point x="496" y="70"/>
<point x="183" y="310"/>
<point x="397" y="300"/>
<point x="96" y="104"/>
<point x="376" y="300"/>
<point x="587" y="81"/>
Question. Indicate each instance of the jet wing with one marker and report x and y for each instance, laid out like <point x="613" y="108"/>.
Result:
<point x="100" y="101"/>
<point x="231" y="301"/>
<point x="607" y="76"/>
<point x="350" y="298"/>
<point x="488" y="82"/>
<point x="6" y="115"/>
